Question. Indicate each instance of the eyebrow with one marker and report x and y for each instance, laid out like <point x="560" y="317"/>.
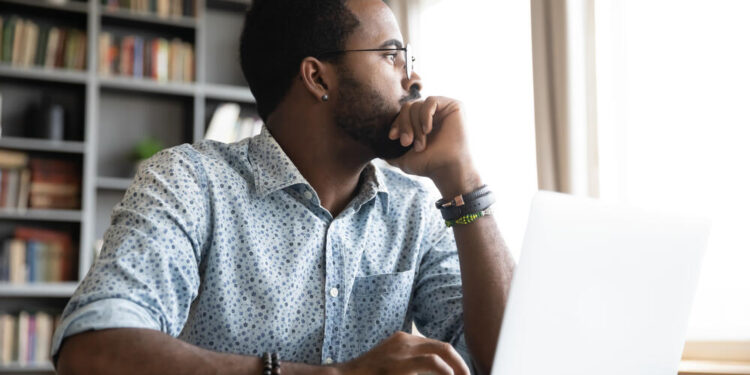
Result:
<point x="392" y="43"/>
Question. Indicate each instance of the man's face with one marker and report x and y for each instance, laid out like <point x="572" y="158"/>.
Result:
<point x="373" y="85"/>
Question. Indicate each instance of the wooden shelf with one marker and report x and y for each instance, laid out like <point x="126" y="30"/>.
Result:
<point x="227" y="92"/>
<point x="32" y="144"/>
<point x="148" y="85"/>
<point x="34" y="290"/>
<point x="149" y="18"/>
<point x="31" y="214"/>
<point x="113" y="183"/>
<point x="43" y="74"/>
<point x="70" y="6"/>
<point x="690" y="367"/>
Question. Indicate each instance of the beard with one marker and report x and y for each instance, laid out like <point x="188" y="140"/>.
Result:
<point x="366" y="117"/>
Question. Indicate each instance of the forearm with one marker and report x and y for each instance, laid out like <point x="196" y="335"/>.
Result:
<point x="144" y="351"/>
<point x="486" y="272"/>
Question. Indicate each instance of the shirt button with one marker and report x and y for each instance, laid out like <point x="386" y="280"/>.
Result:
<point x="308" y="195"/>
<point x="334" y="292"/>
<point x="329" y="360"/>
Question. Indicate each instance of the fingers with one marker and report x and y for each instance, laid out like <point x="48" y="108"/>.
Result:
<point x="400" y="128"/>
<point x="414" y="122"/>
<point x="416" y="127"/>
<point x="447" y="353"/>
<point x="431" y="363"/>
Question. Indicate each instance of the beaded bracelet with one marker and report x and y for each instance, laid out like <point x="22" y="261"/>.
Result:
<point x="271" y="364"/>
<point x="468" y="219"/>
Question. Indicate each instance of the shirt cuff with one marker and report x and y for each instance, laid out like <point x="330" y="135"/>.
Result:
<point x="103" y="314"/>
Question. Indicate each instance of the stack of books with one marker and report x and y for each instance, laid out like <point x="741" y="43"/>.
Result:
<point x="155" y="58"/>
<point x="15" y="180"/>
<point x="38" y="182"/>
<point x="37" y="255"/>
<point x="162" y="8"/>
<point x="26" y="337"/>
<point x="25" y="43"/>
<point x="55" y="184"/>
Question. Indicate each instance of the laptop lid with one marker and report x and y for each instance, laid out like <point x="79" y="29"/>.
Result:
<point x="600" y="289"/>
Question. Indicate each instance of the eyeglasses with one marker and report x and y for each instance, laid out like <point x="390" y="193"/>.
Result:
<point x="407" y="55"/>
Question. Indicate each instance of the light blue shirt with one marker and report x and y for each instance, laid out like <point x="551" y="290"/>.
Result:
<point x="227" y="247"/>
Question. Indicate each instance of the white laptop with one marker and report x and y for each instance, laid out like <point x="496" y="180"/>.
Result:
<point x="600" y="290"/>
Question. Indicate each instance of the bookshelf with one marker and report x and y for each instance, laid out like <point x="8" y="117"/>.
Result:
<point x="109" y="115"/>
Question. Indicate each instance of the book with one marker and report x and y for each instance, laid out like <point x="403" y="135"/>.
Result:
<point x="9" y="29"/>
<point x="24" y="189"/>
<point x="41" y="46"/>
<point x="18" y="42"/>
<point x="13" y="159"/>
<point x="23" y="338"/>
<point x="31" y="340"/>
<point x="5" y="261"/>
<point x="163" y="8"/>
<point x="59" y="55"/>
<point x="11" y="197"/>
<point x="43" y="337"/>
<point x="138" y="57"/>
<point x="105" y="42"/>
<point x="7" y="337"/>
<point x="17" y="255"/>
<point x="53" y="41"/>
<point x="57" y="249"/>
<point x="30" y="41"/>
<point x="54" y="184"/>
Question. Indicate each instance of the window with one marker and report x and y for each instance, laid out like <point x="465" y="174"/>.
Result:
<point x="674" y="128"/>
<point x="479" y="52"/>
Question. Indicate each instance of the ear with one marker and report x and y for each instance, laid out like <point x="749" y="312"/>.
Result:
<point x="316" y="76"/>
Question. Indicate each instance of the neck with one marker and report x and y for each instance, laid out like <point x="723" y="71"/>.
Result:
<point x="324" y="155"/>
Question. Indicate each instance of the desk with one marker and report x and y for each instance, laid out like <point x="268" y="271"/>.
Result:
<point x="696" y="367"/>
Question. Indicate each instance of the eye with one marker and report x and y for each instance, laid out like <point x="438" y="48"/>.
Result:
<point x="391" y="57"/>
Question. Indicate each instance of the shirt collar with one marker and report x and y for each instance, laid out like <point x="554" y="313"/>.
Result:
<point x="273" y="170"/>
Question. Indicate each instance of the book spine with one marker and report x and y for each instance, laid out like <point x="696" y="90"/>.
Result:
<point x="23" y="338"/>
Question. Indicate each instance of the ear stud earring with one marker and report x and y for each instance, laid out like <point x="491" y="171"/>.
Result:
<point x="324" y="97"/>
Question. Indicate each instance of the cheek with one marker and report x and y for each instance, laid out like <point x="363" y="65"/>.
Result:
<point x="385" y="79"/>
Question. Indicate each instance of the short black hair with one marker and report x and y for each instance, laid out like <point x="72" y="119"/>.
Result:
<point x="279" y="34"/>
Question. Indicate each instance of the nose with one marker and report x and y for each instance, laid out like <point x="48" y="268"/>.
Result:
<point x="414" y="80"/>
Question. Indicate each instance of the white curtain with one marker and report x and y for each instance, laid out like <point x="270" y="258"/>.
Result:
<point x="565" y="96"/>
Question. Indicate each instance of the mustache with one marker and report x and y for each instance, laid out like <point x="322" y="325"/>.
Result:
<point x="413" y="95"/>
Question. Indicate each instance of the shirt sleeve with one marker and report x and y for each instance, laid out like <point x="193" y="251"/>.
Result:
<point x="437" y="305"/>
<point x="147" y="273"/>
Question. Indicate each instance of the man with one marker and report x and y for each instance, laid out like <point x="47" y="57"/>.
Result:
<point x="293" y="242"/>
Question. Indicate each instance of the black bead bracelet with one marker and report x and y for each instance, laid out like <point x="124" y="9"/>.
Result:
<point x="271" y="364"/>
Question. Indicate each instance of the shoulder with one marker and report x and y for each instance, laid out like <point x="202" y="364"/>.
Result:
<point x="199" y="160"/>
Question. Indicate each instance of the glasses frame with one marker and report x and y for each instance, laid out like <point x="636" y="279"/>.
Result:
<point x="408" y="56"/>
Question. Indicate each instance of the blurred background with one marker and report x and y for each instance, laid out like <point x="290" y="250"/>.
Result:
<point x="637" y="102"/>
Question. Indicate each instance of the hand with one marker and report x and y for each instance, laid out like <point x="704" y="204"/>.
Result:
<point x="436" y="127"/>
<point x="405" y="354"/>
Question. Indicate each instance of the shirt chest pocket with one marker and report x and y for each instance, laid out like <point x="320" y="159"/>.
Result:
<point x="377" y="308"/>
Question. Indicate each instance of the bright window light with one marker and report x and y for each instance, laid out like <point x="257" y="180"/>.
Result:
<point x="673" y="79"/>
<point x="480" y="53"/>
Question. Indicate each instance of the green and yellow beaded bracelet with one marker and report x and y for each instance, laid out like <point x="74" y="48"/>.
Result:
<point x="468" y="219"/>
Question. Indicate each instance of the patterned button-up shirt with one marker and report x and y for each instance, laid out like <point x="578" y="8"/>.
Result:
<point x="227" y="247"/>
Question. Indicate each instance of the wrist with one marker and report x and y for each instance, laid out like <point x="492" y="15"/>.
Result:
<point x="455" y="180"/>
